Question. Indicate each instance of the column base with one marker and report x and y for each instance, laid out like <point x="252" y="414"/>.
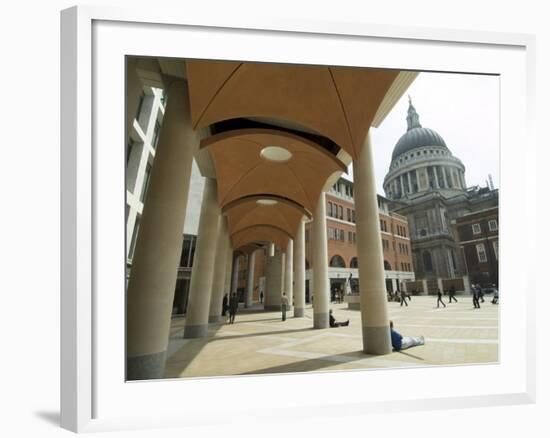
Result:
<point x="146" y="367"/>
<point x="195" y="331"/>
<point x="277" y="308"/>
<point x="298" y="312"/>
<point x="377" y="340"/>
<point x="215" y="319"/>
<point x="272" y="307"/>
<point x="320" y="320"/>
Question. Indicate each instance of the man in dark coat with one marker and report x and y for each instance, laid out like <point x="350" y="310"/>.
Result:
<point x="225" y="304"/>
<point x="439" y="300"/>
<point x="233" y="306"/>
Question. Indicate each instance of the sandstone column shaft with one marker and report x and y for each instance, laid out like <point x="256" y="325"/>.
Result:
<point x="200" y="288"/>
<point x="220" y="272"/>
<point x="300" y="271"/>
<point x="320" y="265"/>
<point x="289" y="276"/>
<point x="373" y="299"/>
<point x="250" y="279"/>
<point x="235" y="275"/>
<point x="158" y="246"/>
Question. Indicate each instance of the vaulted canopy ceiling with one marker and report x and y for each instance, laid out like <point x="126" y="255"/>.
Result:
<point x="277" y="131"/>
<point x="337" y="102"/>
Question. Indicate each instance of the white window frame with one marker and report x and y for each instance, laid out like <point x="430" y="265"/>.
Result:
<point x="481" y="250"/>
<point x="493" y="225"/>
<point x="476" y="229"/>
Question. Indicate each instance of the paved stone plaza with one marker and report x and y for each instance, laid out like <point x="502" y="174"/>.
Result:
<point x="259" y="342"/>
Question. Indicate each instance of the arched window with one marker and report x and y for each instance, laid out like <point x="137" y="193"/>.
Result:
<point x="427" y="258"/>
<point x="337" y="262"/>
<point x="353" y="263"/>
<point x="387" y="265"/>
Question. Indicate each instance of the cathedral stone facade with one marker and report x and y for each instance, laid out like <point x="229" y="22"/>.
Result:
<point x="427" y="184"/>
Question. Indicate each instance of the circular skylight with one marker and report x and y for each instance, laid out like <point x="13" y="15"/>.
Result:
<point x="276" y="154"/>
<point x="266" y="201"/>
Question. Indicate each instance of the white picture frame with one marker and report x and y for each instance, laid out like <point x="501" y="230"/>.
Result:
<point x="93" y="398"/>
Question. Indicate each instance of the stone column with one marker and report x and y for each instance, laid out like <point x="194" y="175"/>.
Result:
<point x="440" y="284"/>
<point x="445" y="182"/>
<point x="300" y="272"/>
<point x="134" y="89"/>
<point x="152" y="282"/>
<point x="466" y="281"/>
<point x="250" y="279"/>
<point x="274" y="281"/>
<point x="372" y="287"/>
<point x="235" y="275"/>
<point x="321" y="293"/>
<point x="200" y="287"/>
<point x="271" y="251"/>
<point x="220" y="272"/>
<point x="425" y="287"/>
<point x="436" y="178"/>
<point x="402" y="186"/>
<point x="410" y="182"/>
<point x="394" y="284"/>
<point x="289" y="275"/>
<point x="228" y="268"/>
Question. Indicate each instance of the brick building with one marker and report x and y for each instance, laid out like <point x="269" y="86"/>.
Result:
<point x="477" y="236"/>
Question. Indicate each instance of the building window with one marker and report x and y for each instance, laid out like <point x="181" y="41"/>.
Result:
<point x="134" y="238"/>
<point x="493" y="225"/>
<point x="131" y="144"/>
<point x="481" y="254"/>
<point x="387" y="266"/>
<point x="341" y="212"/>
<point x="337" y="262"/>
<point x="353" y="263"/>
<point x="350" y="236"/>
<point x="348" y="211"/>
<point x="353" y="216"/>
<point x="146" y="180"/>
<point x="156" y="133"/>
<point x="427" y="258"/>
<point x="476" y="229"/>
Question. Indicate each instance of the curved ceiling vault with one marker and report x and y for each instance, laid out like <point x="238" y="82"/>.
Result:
<point x="260" y="234"/>
<point x="246" y="212"/>
<point x="337" y="102"/>
<point x="242" y="170"/>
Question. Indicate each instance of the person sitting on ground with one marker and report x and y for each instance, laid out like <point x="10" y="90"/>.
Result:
<point x="399" y="342"/>
<point x="332" y="322"/>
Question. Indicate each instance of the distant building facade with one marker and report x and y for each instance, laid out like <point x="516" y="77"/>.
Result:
<point x="426" y="183"/>
<point x="477" y="235"/>
<point x="342" y="243"/>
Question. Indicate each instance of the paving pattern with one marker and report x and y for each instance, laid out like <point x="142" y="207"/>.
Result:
<point x="260" y="343"/>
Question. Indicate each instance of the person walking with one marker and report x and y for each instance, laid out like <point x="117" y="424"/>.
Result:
<point x="480" y="293"/>
<point x="284" y="305"/>
<point x="452" y="292"/>
<point x="225" y="304"/>
<point x="404" y="298"/>
<point x="439" y="300"/>
<point x="261" y="297"/>
<point x="475" y="297"/>
<point x="233" y="306"/>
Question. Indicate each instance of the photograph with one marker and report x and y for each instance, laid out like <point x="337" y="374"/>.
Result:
<point x="296" y="218"/>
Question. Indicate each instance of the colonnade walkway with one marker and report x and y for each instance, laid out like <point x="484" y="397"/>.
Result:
<point x="260" y="343"/>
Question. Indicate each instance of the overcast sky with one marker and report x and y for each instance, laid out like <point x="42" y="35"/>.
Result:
<point x="463" y="109"/>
